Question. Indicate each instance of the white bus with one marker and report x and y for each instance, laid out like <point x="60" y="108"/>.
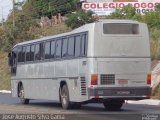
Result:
<point x="107" y="61"/>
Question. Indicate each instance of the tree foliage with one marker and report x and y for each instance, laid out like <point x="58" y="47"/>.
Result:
<point x="53" y="7"/>
<point x="2" y="35"/>
<point x="79" y="18"/>
<point x="125" y="13"/>
<point x="22" y="31"/>
<point x="26" y="19"/>
<point x="152" y="19"/>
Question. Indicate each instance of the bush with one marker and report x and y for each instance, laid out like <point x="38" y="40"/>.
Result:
<point x="79" y="18"/>
<point x="155" y="43"/>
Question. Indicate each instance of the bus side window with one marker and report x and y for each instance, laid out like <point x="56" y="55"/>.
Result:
<point x="42" y="51"/>
<point x="28" y="49"/>
<point x="47" y="50"/>
<point x="23" y="54"/>
<point x="37" y="52"/>
<point x="77" y="46"/>
<point x="58" y="48"/>
<point x="64" y="47"/>
<point x="20" y="51"/>
<point x="71" y="44"/>
<point x="83" y="45"/>
<point x="32" y="52"/>
<point x="53" y="49"/>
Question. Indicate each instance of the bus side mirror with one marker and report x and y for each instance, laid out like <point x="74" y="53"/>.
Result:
<point x="10" y="60"/>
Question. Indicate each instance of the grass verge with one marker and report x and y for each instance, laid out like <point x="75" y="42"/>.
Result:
<point x="4" y="72"/>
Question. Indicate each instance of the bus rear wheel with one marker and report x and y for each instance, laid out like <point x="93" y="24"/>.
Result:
<point x="113" y="104"/>
<point x="66" y="104"/>
<point x="21" y="95"/>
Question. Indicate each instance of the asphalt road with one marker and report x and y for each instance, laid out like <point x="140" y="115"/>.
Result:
<point x="40" y="109"/>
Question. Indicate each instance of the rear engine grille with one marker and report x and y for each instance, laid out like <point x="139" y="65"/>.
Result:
<point x="107" y="79"/>
<point x="83" y="86"/>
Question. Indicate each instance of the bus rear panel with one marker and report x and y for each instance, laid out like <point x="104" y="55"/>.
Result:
<point x="120" y="61"/>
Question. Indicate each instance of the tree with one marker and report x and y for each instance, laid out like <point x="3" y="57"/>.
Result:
<point x="128" y="12"/>
<point x="22" y="31"/>
<point x="79" y="18"/>
<point x="29" y="9"/>
<point x="152" y="19"/>
<point x="53" y="7"/>
<point x="2" y="35"/>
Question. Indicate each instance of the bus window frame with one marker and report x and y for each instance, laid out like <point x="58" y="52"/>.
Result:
<point x="55" y="40"/>
<point x="123" y="35"/>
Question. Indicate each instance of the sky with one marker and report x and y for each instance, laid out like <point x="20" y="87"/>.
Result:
<point x="6" y="5"/>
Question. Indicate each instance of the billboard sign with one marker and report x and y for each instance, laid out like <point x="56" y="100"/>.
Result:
<point x="105" y="8"/>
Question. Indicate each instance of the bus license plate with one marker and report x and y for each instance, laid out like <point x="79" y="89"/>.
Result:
<point x="123" y="92"/>
<point x="123" y="82"/>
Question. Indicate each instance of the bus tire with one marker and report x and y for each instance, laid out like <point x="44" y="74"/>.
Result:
<point x="66" y="104"/>
<point x="21" y="95"/>
<point x="113" y="105"/>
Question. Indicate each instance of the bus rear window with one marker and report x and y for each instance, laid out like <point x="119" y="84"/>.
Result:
<point x="120" y="28"/>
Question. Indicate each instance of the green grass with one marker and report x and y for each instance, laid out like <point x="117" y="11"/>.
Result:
<point x="4" y="72"/>
<point x="154" y="41"/>
<point x="156" y="93"/>
<point x="54" y="30"/>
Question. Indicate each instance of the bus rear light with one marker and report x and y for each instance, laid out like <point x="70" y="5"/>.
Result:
<point x="94" y="79"/>
<point x="96" y="97"/>
<point x="149" y="79"/>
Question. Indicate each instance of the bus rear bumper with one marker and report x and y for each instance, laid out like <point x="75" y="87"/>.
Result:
<point x="125" y="93"/>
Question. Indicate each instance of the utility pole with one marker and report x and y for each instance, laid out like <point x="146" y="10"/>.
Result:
<point x="13" y="13"/>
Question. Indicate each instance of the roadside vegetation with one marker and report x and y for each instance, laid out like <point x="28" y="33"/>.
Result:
<point x="27" y="26"/>
<point x="4" y="72"/>
<point x="156" y="93"/>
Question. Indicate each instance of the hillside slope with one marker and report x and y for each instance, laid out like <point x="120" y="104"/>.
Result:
<point x="4" y="72"/>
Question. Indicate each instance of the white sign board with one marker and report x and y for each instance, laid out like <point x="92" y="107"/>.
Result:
<point x="106" y="8"/>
